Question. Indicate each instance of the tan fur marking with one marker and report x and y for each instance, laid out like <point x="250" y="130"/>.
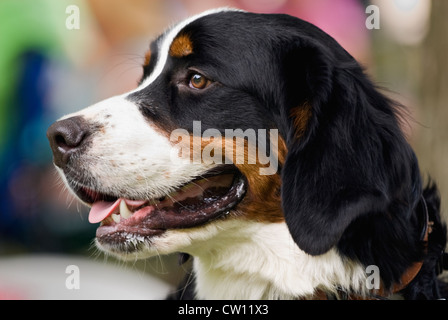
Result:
<point x="147" y="58"/>
<point x="182" y="46"/>
<point x="301" y="116"/>
<point x="263" y="200"/>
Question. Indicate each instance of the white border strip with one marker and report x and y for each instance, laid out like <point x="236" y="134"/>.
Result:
<point x="166" y="43"/>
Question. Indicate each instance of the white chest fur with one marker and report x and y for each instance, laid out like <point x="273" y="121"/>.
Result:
<point x="261" y="261"/>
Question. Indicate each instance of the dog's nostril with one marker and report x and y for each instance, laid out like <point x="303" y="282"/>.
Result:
<point x="65" y="137"/>
<point x="60" y="141"/>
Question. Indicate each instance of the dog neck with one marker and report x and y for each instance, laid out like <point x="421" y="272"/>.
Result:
<point x="254" y="260"/>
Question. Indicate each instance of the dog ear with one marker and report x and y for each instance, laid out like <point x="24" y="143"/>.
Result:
<point x="347" y="156"/>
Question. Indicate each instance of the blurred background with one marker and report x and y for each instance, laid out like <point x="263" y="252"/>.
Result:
<point x="48" y="69"/>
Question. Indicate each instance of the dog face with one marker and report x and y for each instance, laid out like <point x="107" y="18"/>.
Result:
<point x="340" y="154"/>
<point x="119" y="158"/>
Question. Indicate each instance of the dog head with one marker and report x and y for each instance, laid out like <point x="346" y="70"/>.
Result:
<point x="334" y="142"/>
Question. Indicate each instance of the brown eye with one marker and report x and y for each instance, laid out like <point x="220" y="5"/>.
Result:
<point x="198" y="81"/>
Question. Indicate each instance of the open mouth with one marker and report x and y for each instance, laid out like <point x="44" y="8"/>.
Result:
<point x="201" y="200"/>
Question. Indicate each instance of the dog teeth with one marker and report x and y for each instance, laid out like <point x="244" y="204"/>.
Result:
<point x="116" y="218"/>
<point x="124" y="210"/>
<point x="123" y="214"/>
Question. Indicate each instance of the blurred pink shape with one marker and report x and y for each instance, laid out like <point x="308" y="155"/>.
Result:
<point x="344" y="20"/>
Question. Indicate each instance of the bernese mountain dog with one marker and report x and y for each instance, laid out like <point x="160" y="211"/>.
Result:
<point x="343" y="215"/>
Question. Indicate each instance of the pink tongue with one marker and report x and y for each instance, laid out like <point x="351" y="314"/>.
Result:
<point x="102" y="209"/>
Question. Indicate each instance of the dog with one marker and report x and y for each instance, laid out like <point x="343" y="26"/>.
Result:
<point x="344" y="215"/>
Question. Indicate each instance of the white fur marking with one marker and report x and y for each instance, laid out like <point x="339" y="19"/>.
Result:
<point x="235" y="259"/>
<point x="261" y="261"/>
<point x="167" y="41"/>
<point x="128" y="156"/>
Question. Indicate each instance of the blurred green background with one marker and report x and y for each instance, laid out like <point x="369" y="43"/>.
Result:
<point x="48" y="70"/>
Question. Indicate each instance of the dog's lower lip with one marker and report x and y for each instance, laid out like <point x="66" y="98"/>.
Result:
<point x="150" y="220"/>
<point x="114" y="232"/>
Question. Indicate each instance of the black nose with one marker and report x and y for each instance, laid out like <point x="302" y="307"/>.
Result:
<point x="66" y="137"/>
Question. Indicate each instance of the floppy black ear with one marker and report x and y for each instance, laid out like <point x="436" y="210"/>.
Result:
<point x="347" y="156"/>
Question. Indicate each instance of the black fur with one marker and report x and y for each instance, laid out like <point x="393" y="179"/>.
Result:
<point x="425" y="285"/>
<point x="351" y="181"/>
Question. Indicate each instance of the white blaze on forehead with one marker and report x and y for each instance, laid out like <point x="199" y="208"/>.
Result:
<point x="166" y="41"/>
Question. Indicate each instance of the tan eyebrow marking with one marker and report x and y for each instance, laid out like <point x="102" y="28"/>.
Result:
<point x="147" y="58"/>
<point x="181" y="46"/>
